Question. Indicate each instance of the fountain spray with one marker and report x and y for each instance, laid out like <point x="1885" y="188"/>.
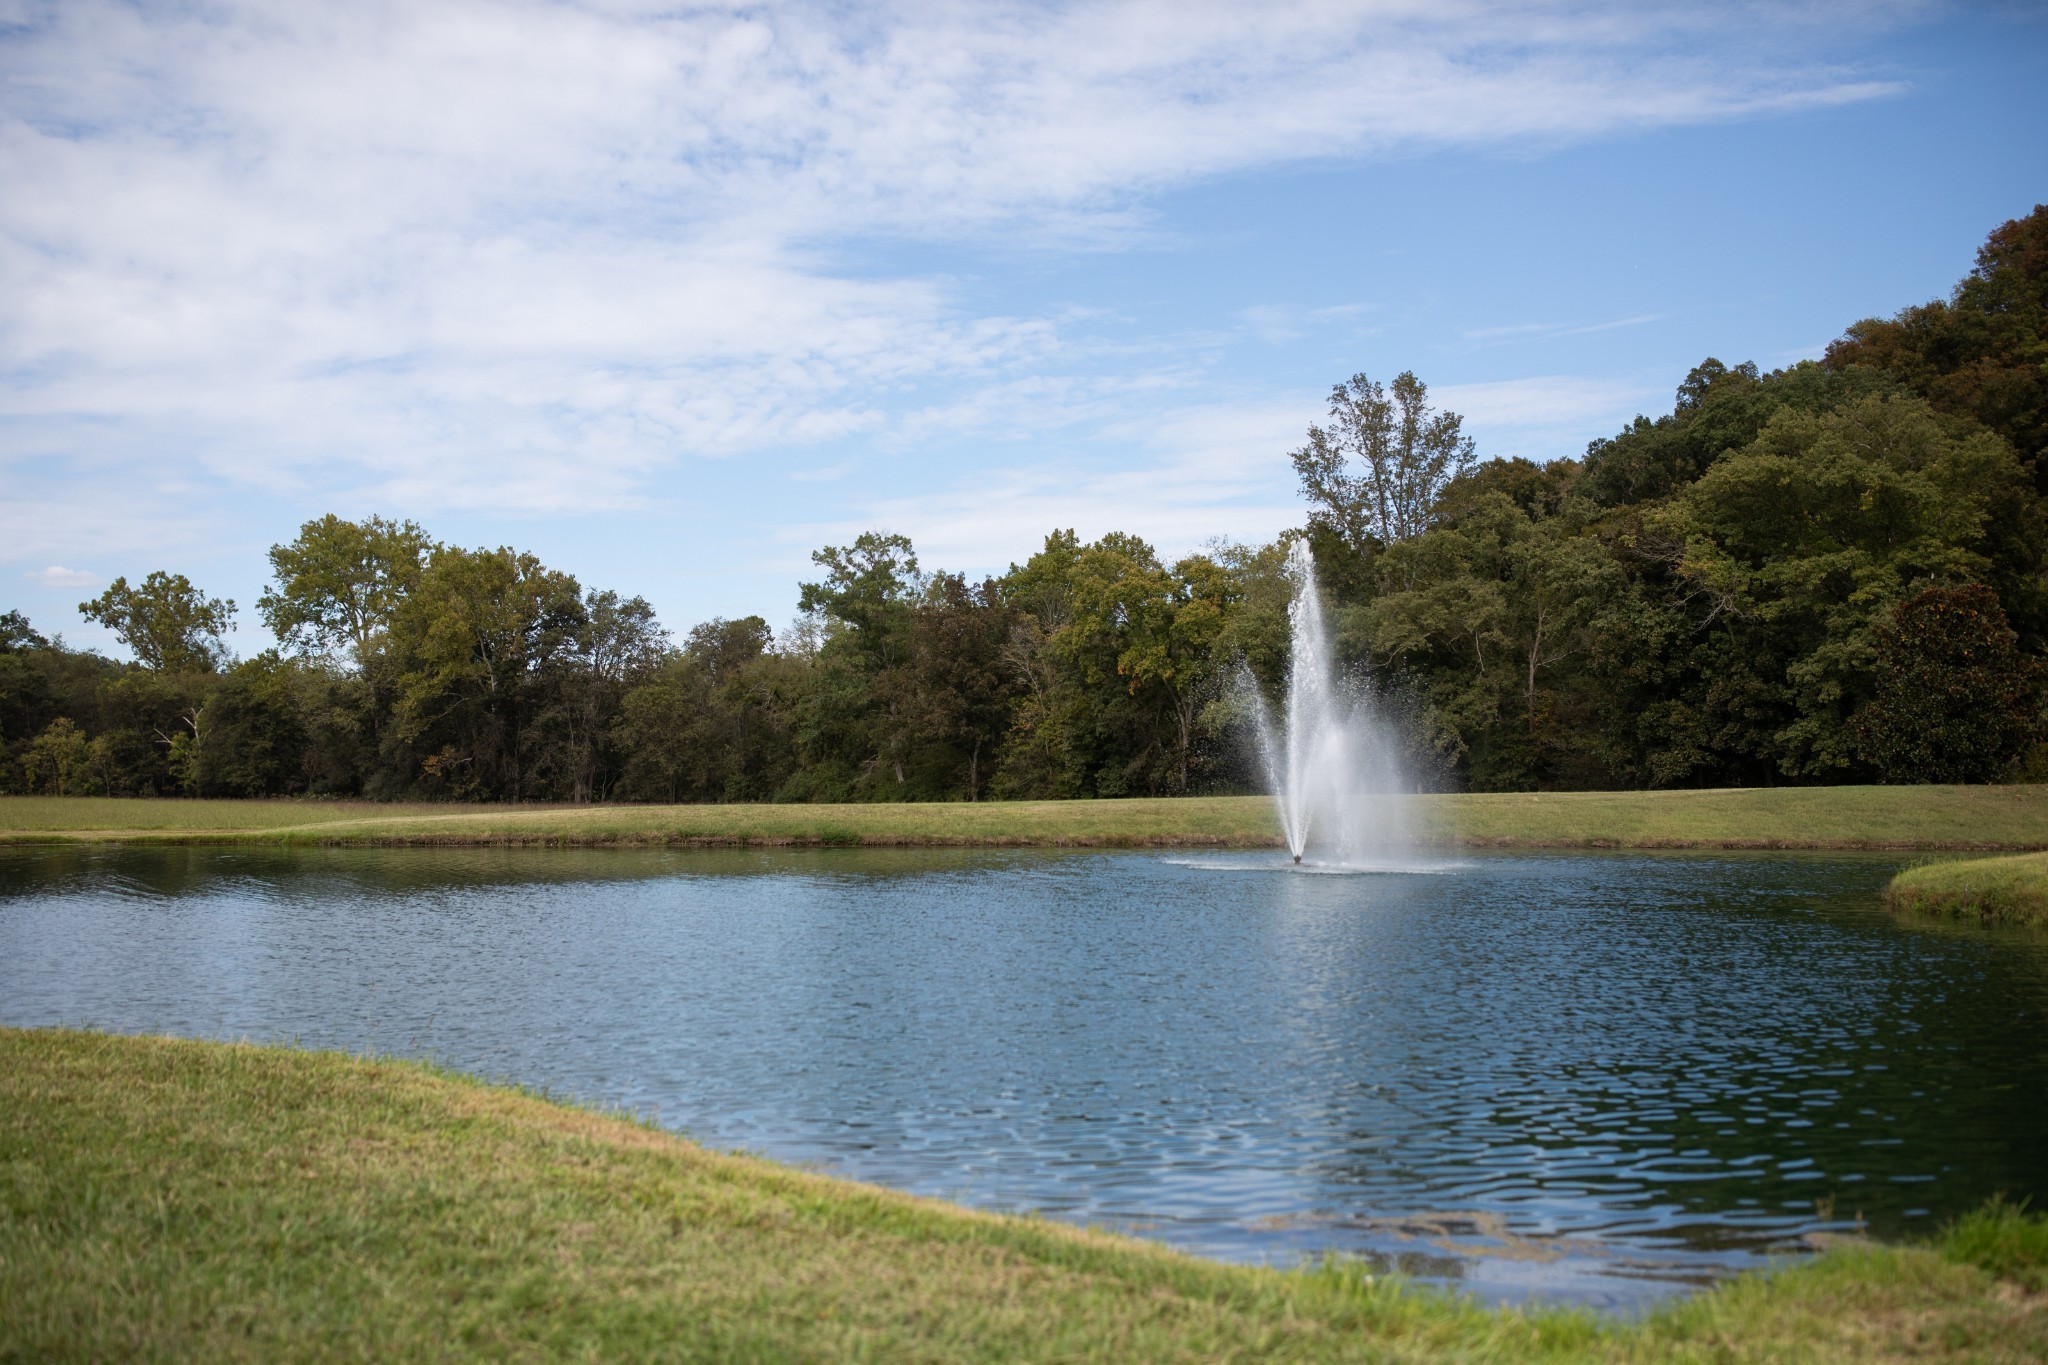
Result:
<point x="1333" y="764"/>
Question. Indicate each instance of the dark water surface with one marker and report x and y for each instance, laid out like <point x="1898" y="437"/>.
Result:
<point x="1587" y="1077"/>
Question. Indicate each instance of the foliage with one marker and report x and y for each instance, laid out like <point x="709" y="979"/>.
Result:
<point x="711" y="722"/>
<point x="1710" y="598"/>
<point x="476" y="645"/>
<point x="1983" y="352"/>
<point x="1955" y="700"/>
<point x="1376" y="472"/>
<point x="1802" y="541"/>
<point x="339" y="584"/>
<point x="2002" y="1239"/>
<point x="170" y="625"/>
<point x="58" y="761"/>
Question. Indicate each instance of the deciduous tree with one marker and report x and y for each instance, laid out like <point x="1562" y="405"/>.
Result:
<point x="1376" y="472"/>
<point x="1956" y="700"/>
<point x="171" y="626"/>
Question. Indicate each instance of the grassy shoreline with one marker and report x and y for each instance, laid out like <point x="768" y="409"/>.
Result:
<point x="1987" y="819"/>
<point x="165" y="1199"/>
<point x="2012" y="890"/>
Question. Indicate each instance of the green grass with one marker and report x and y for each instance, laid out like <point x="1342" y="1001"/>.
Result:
<point x="2010" y="890"/>
<point x="1980" y="817"/>
<point x="1986" y="818"/>
<point x="168" y="1200"/>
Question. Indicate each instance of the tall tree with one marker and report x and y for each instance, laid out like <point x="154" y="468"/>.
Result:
<point x="170" y="625"/>
<point x="857" y="729"/>
<point x="339" y="582"/>
<point x="474" y="643"/>
<point x="618" y="642"/>
<point x="712" y="721"/>
<point x="959" y="686"/>
<point x="337" y="587"/>
<point x="1375" y="473"/>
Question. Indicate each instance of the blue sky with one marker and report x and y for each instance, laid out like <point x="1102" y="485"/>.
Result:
<point x="671" y="295"/>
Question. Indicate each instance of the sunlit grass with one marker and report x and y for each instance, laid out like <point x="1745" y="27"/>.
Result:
<point x="1987" y="818"/>
<point x="1957" y="817"/>
<point x="177" y="1200"/>
<point x="2011" y="890"/>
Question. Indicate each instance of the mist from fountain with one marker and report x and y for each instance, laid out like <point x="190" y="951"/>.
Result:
<point x="1333" y="762"/>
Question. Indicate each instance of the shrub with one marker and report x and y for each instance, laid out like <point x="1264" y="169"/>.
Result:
<point x="1956" y="700"/>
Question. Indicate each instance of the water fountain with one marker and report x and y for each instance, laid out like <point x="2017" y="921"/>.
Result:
<point x="1334" y="764"/>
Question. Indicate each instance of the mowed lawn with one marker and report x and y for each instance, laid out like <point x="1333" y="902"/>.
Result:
<point x="1962" y="818"/>
<point x="2010" y="890"/>
<point x="171" y="1200"/>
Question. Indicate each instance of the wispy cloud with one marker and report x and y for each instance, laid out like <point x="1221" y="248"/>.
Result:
<point x="1211" y="465"/>
<point x="528" y="254"/>
<point x="1275" y="323"/>
<point x="1544" y="417"/>
<point x="1544" y="331"/>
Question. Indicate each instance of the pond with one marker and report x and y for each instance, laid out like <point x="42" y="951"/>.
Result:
<point x="1594" y="1078"/>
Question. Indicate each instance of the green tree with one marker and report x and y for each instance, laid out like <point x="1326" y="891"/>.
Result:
<point x="857" y="733"/>
<point x="1042" y="757"/>
<point x="338" y="584"/>
<point x="711" y="722"/>
<point x="336" y="589"/>
<point x="58" y="762"/>
<point x="1162" y="624"/>
<point x="25" y="681"/>
<point x="1983" y="352"/>
<point x="1955" y="699"/>
<point x="1499" y="610"/>
<point x="1719" y="409"/>
<point x="960" y="688"/>
<point x="1375" y="473"/>
<point x="867" y="594"/>
<point x="1804" y="540"/>
<point x="617" y="642"/>
<point x="171" y="626"/>
<point x="254" y="729"/>
<point x="473" y="644"/>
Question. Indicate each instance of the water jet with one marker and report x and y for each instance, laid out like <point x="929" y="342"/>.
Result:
<point x="1332" y="761"/>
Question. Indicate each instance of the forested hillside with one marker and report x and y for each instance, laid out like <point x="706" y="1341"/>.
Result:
<point x="1836" y="572"/>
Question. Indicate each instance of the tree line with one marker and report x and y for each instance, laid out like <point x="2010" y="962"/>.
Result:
<point x="1832" y="572"/>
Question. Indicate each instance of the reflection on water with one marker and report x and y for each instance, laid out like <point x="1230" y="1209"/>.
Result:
<point x="1590" y="1077"/>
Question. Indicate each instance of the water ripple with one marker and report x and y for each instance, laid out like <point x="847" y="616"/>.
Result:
<point x="1594" y="1077"/>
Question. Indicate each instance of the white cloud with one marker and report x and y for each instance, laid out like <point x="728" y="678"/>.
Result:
<point x="1274" y="323"/>
<point x="1544" y="331"/>
<point x="1208" y="466"/>
<point x="1547" y="417"/>
<point x="1205" y="467"/>
<point x="527" y="254"/>
<point x="57" y="576"/>
<point x="1541" y="400"/>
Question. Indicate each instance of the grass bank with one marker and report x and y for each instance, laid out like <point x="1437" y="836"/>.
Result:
<point x="169" y="1200"/>
<point x="1990" y="819"/>
<point x="2010" y="890"/>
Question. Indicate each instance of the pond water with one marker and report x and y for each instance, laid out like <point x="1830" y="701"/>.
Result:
<point x="1595" y="1078"/>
